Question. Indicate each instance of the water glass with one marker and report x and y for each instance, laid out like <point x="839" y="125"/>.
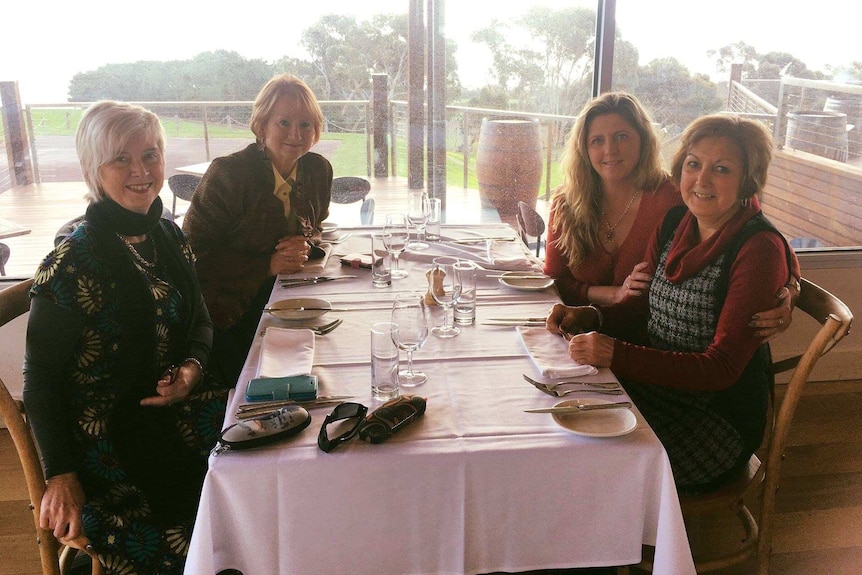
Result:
<point x="381" y="268"/>
<point x="384" y="362"/>
<point x="444" y="283"/>
<point x="465" y="307"/>
<point x="435" y="216"/>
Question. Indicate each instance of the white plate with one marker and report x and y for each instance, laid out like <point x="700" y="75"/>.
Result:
<point x="518" y="280"/>
<point x="328" y="227"/>
<point x="598" y="423"/>
<point x="289" y="308"/>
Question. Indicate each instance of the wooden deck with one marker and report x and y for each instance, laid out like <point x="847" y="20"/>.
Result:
<point x="44" y="208"/>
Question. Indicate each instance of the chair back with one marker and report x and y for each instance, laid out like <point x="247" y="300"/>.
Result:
<point x="531" y="224"/>
<point x="182" y="186"/>
<point x="366" y="212"/>
<point x="55" y="558"/>
<point x="349" y="189"/>
<point x="835" y="319"/>
<point x="5" y="252"/>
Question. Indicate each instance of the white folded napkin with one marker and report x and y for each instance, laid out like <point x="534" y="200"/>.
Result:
<point x="286" y="352"/>
<point x="493" y="255"/>
<point x="316" y="266"/>
<point x="550" y="353"/>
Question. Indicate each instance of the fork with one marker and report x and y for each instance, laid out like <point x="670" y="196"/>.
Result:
<point x="317" y="329"/>
<point x="558" y="393"/>
<point x="552" y="386"/>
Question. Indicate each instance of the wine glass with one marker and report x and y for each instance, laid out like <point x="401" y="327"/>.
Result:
<point x="398" y="235"/>
<point x="418" y="210"/>
<point x="409" y="332"/>
<point x="444" y="283"/>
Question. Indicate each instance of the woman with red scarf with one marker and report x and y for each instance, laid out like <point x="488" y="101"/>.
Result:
<point x="686" y="353"/>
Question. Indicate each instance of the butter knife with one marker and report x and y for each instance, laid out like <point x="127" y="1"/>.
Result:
<point x="287" y="283"/>
<point x="581" y="407"/>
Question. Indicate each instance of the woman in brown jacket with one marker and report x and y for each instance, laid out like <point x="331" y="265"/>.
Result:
<point x="256" y="213"/>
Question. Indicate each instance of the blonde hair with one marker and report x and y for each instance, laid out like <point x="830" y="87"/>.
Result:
<point x="579" y="197"/>
<point x="104" y="131"/>
<point x="289" y="86"/>
<point x="751" y="138"/>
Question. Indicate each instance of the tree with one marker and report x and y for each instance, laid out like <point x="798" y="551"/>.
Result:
<point x="673" y="96"/>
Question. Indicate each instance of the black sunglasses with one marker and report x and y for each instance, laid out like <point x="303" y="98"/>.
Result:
<point x="345" y="421"/>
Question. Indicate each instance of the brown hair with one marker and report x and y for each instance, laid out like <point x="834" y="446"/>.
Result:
<point x="750" y="136"/>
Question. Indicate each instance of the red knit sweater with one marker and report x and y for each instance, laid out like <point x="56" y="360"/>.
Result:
<point x="758" y="273"/>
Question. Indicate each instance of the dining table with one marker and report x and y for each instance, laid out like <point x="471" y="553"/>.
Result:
<point x="476" y="484"/>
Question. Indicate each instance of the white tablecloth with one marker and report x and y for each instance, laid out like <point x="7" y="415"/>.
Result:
<point x="476" y="485"/>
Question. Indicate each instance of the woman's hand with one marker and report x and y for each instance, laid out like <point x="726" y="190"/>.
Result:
<point x="175" y="385"/>
<point x="770" y="323"/>
<point x="592" y="348"/>
<point x="565" y="321"/>
<point x="61" y="507"/>
<point x="636" y="284"/>
<point x="289" y="256"/>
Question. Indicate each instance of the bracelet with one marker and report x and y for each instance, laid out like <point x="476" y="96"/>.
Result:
<point x="195" y="361"/>
<point x="599" y="315"/>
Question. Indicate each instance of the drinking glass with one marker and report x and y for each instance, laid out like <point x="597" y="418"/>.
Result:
<point x="398" y="235"/>
<point x="444" y="283"/>
<point x="418" y="210"/>
<point x="409" y="332"/>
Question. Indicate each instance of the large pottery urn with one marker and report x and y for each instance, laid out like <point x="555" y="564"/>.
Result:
<point x="509" y="164"/>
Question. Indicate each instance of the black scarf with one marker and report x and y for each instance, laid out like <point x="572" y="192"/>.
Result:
<point x="147" y="441"/>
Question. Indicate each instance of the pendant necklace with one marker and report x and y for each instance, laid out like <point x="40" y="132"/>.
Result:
<point x="609" y="235"/>
<point x="138" y="257"/>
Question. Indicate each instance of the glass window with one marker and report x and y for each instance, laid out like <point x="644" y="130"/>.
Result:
<point x="797" y="70"/>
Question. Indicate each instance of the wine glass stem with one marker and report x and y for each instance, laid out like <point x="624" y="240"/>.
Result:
<point x="410" y="363"/>
<point x="446" y="325"/>
<point x="395" y="262"/>
<point x="420" y="233"/>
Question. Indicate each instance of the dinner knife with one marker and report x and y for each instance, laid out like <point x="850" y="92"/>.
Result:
<point x="290" y="282"/>
<point x="581" y="407"/>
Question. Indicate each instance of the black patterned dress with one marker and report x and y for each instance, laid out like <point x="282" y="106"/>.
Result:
<point x="108" y="324"/>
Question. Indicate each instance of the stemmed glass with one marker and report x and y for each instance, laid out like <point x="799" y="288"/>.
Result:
<point x="398" y="235"/>
<point x="444" y="283"/>
<point x="409" y="332"/>
<point x="418" y="210"/>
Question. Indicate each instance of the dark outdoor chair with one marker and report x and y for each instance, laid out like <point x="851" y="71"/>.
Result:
<point x="5" y="252"/>
<point x="530" y="224"/>
<point x="350" y="189"/>
<point x="182" y="186"/>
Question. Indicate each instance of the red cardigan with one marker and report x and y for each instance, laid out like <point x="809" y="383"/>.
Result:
<point x="758" y="273"/>
<point x="600" y="267"/>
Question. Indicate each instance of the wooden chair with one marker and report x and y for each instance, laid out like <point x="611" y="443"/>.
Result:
<point x="760" y="480"/>
<point x="182" y="186"/>
<point x="56" y="556"/>
<point x="530" y="224"/>
<point x="350" y="189"/>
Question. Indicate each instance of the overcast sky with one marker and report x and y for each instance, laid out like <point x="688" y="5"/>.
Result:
<point x="49" y="41"/>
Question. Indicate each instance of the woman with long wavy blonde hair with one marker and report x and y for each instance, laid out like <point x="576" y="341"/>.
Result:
<point x="614" y="194"/>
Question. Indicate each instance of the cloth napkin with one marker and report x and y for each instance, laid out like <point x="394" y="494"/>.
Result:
<point x="550" y="353"/>
<point x="286" y="352"/>
<point x="316" y="266"/>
